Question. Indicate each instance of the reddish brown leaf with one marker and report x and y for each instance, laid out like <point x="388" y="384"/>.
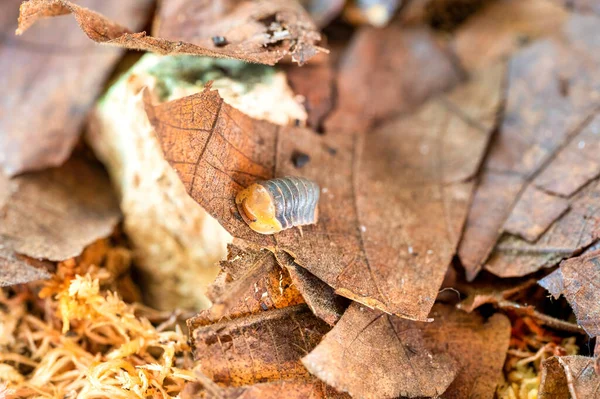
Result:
<point x="262" y="34"/>
<point x="388" y="353"/>
<point x="569" y="377"/>
<point x="552" y="93"/>
<point x="259" y="348"/>
<point x="478" y="345"/>
<point x="502" y="27"/>
<point x="577" y="280"/>
<point x="54" y="214"/>
<point x="375" y="83"/>
<point x="52" y="76"/>
<point x="393" y="260"/>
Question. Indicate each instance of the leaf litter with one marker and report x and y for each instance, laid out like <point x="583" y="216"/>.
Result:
<point x="398" y="187"/>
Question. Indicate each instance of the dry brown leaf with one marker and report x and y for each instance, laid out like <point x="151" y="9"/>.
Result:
<point x="477" y="344"/>
<point x="552" y="94"/>
<point x="375" y="82"/>
<point x="258" y="31"/>
<point x="502" y="28"/>
<point x="396" y="357"/>
<point x="54" y="214"/>
<point x="289" y="389"/>
<point x="577" y="280"/>
<point x="250" y="282"/>
<point x="53" y="76"/>
<point x="371" y="354"/>
<point x="314" y="82"/>
<point x="262" y="33"/>
<point x="18" y="269"/>
<point x="258" y="348"/>
<point x="319" y="297"/>
<point x="393" y="260"/>
<point x="253" y="281"/>
<point x="569" y="377"/>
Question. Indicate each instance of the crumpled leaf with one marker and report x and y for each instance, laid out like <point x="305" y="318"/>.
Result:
<point x="51" y="78"/>
<point x="374" y="83"/>
<point x="388" y="353"/>
<point x="393" y="260"/>
<point x="577" y="280"/>
<point x="396" y="357"/>
<point x="261" y="32"/>
<point x="569" y="377"/>
<point x="258" y="348"/>
<point x="54" y="214"/>
<point x="552" y="95"/>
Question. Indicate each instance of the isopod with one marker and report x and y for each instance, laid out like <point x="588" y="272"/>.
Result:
<point x="274" y="205"/>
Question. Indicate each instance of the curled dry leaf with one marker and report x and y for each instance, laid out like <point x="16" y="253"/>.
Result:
<point x="569" y="377"/>
<point x="53" y="76"/>
<point x="369" y="86"/>
<point x="577" y="280"/>
<point x="393" y="260"/>
<point x="258" y="348"/>
<point x="54" y="214"/>
<point x="262" y="33"/>
<point x="543" y="152"/>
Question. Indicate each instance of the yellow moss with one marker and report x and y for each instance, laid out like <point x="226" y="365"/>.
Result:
<point x="86" y="343"/>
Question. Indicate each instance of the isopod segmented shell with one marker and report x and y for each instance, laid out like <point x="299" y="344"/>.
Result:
<point x="278" y="204"/>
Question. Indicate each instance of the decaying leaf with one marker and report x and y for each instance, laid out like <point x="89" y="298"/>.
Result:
<point x="478" y="345"/>
<point x="577" y="280"/>
<point x="395" y="356"/>
<point x="502" y="27"/>
<point x="390" y="216"/>
<point x="261" y="32"/>
<point x="258" y="348"/>
<point x="370" y="87"/>
<point x="569" y="377"/>
<point x="289" y="389"/>
<point x="388" y="353"/>
<point x="51" y="78"/>
<point x="552" y="95"/>
<point x="319" y="297"/>
<point x="54" y="214"/>
<point x="250" y="282"/>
